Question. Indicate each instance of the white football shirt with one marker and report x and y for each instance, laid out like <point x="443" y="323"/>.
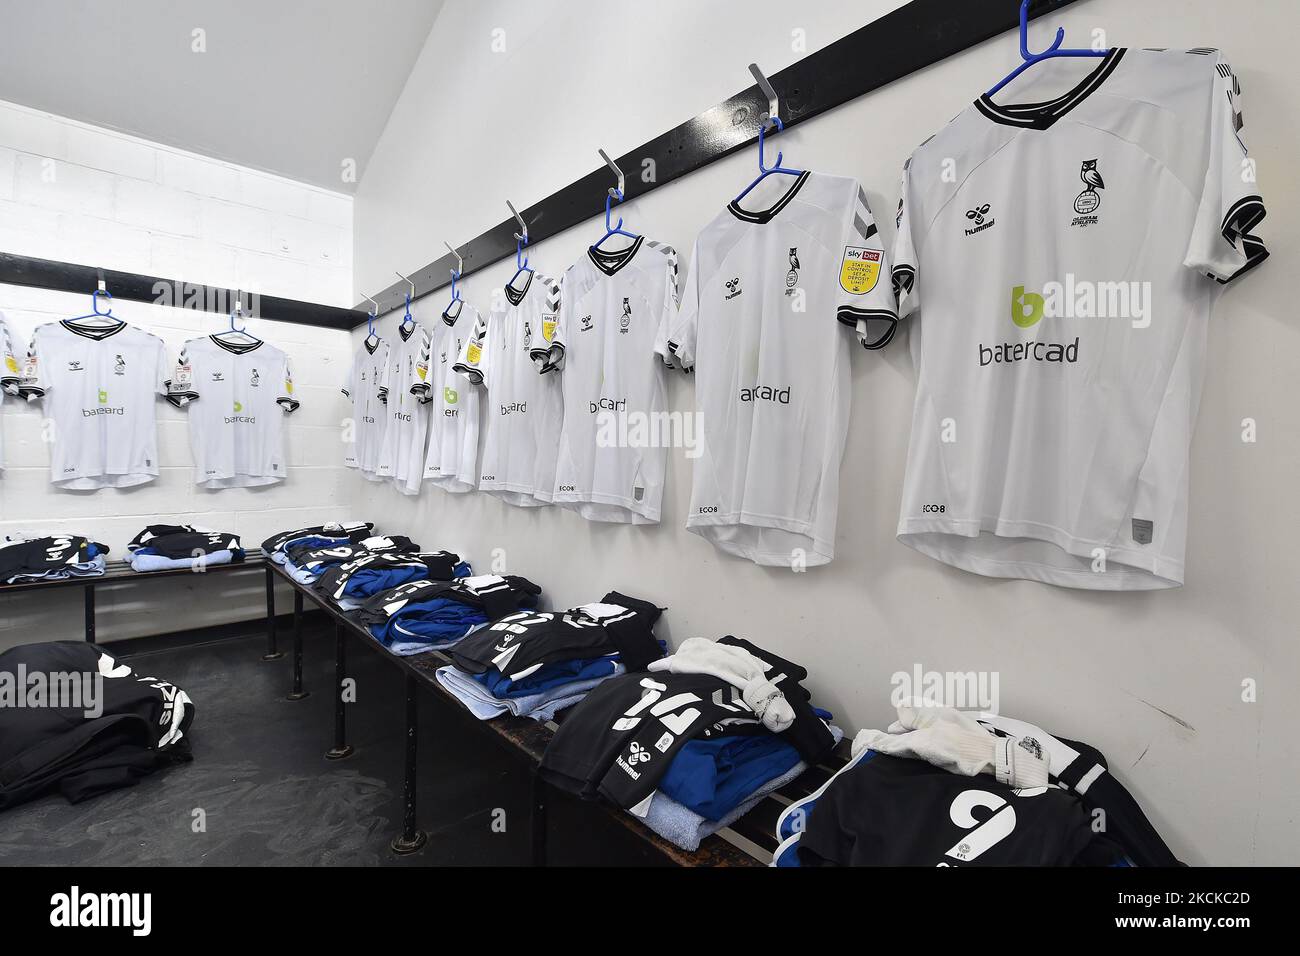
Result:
<point x="401" y="450"/>
<point x="237" y="393"/>
<point x="614" y="319"/>
<point x="452" y="459"/>
<point x="10" y="371"/>
<point x="365" y="375"/>
<point x="523" y="410"/>
<point x="100" y="387"/>
<point x="1063" y="282"/>
<point x="758" y="323"/>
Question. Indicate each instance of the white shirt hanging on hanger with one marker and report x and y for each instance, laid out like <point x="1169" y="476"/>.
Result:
<point x="524" y="409"/>
<point x="1064" y="285"/>
<point x="362" y="386"/>
<point x="406" y="417"/>
<point x="238" y="391"/>
<point x="452" y="460"/>
<point x="100" y="384"/>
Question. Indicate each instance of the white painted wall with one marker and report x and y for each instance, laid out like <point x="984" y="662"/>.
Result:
<point x="76" y="193"/>
<point x="1153" y="679"/>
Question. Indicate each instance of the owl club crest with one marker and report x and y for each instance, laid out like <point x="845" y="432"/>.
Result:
<point x="1087" y="202"/>
<point x="792" y="277"/>
<point x="626" y="320"/>
<point x="860" y="269"/>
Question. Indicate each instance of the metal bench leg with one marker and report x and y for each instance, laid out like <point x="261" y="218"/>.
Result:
<point x="297" y="693"/>
<point x="271" y="653"/>
<point x="412" y="838"/>
<point x="90" y="613"/>
<point x="340" y="748"/>
<point x="537" y="819"/>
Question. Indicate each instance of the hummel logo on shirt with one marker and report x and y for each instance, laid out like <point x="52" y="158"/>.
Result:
<point x="977" y="216"/>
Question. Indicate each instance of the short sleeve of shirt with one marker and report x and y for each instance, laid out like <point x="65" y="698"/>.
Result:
<point x="10" y="369"/>
<point x="385" y="375"/>
<point x="286" y="397"/>
<point x="346" y="388"/>
<point x="33" y="382"/>
<point x="472" y="360"/>
<point x="420" y="387"/>
<point x="683" y="333"/>
<point x="1222" y="243"/>
<point x="181" y="386"/>
<point x="668" y="309"/>
<point x="905" y="258"/>
<point x="541" y="352"/>
<point x="162" y="374"/>
<point x="865" y="295"/>
<point x="559" y="338"/>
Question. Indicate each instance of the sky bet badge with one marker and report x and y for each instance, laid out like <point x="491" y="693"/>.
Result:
<point x="860" y="269"/>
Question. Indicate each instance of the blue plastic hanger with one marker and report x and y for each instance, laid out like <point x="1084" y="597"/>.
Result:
<point x="370" y="319"/>
<point x="455" y="292"/>
<point x="1031" y="58"/>
<point x="772" y="121"/>
<point x="234" y="330"/>
<point x="407" y="319"/>
<point x="617" y="229"/>
<point x="615" y="193"/>
<point x="764" y="170"/>
<point x="94" y="305"/>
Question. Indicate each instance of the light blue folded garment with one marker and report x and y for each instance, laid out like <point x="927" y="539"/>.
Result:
<point x="88" y="569"/>
<point x="548" y="710"/>
<point x="156" y="562"/>
<point x="541" y="706"/>
<point x="406" y="643"/>
<point x="82" y="569"/>
<point x="299" y="574"/>
<point x="687" y="829"/>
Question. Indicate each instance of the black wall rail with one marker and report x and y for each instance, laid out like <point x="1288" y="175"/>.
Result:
<point x="909" y="39"/>
<point x="70" y="277"/>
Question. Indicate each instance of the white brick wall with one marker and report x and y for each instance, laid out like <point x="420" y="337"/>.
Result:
<point x="76" y="193"/>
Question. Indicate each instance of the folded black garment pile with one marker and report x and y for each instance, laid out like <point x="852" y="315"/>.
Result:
<point x="74" y="720"/>
<point x="942" y="787"/>
<point x="167" y="547"/>
<point x="350" y="582"/>
<point x="537" y="663"/>
<point x="38" y="557"/>
<point x="694" y="741"/>
<point x="332" y="532"/>
<point x="306" y="560"/>
<point x="428" y="615"/>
